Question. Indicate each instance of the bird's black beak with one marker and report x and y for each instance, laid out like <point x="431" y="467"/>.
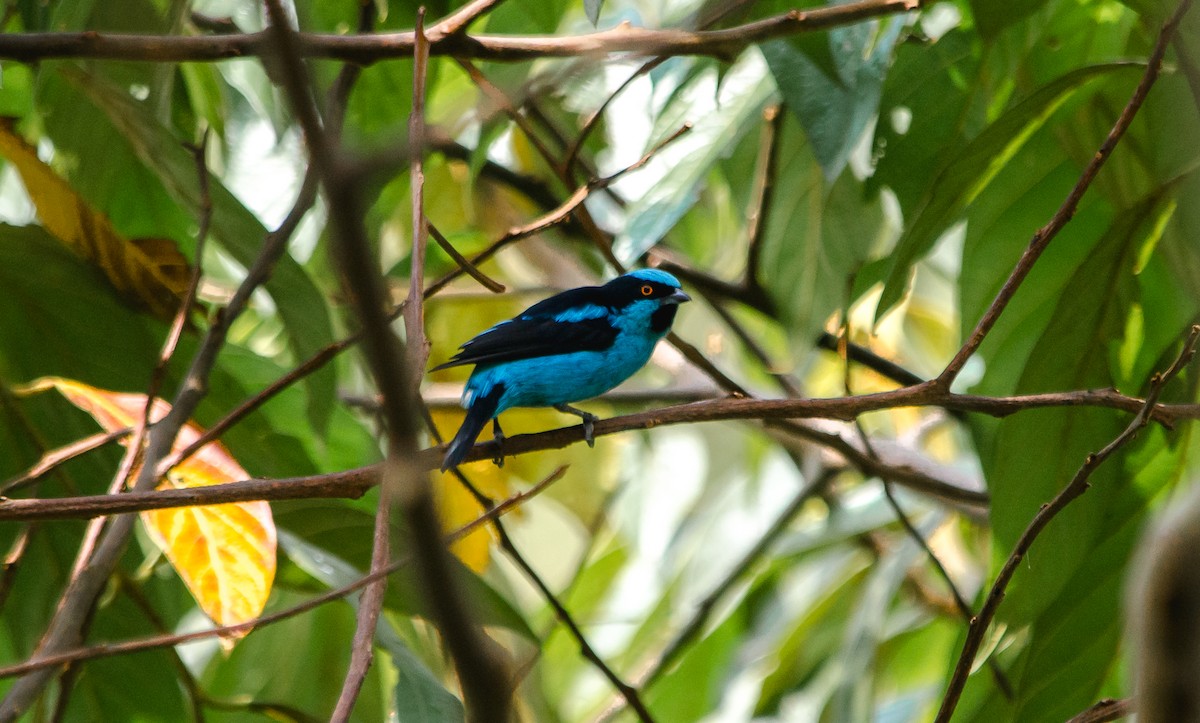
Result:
<point x="678" y="297"/>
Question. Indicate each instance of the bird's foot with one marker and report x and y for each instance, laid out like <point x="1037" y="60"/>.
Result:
<point x="498" y="439"/>
<point x="589" y="421"/>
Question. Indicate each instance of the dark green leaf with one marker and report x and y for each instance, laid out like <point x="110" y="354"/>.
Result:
<point x="973" y="168"/>
<point x="836" y="99"/>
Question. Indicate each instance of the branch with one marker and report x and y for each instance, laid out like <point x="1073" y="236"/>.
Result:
<point x="367" y="49"/>
<point x="104" y="650"/>
<point x="1104" y="711"/>
<point x="1076" y="487"/>
<point x="1044" y="235"/>
<point x="370" y="602"/>
<point x="630" y="694"/>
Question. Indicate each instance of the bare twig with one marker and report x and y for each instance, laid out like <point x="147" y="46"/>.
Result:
<point x="960" y="603"/>
<point x="1076" y="487"/>
<point x="371" y="600"/>
<point x="1044" y="235"/>
<point x="626" y="691"/>
<point x="756" y="220"/>
<point x="457" y="21"/>
<point x="463" y="263"/>
<point x="55" y="457"/>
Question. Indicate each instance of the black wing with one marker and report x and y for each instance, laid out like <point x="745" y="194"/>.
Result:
<point x="526" y="338"/>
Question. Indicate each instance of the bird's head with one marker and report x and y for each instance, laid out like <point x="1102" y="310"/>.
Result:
<point x="646" y="296"/>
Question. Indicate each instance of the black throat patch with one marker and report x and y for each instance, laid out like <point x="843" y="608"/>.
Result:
<point x="662" y="317"/>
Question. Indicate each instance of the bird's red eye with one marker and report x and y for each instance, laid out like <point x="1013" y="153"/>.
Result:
<point x="647" y="290"/>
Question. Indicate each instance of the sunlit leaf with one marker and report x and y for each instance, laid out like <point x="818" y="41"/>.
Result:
<point x="225" y="553"/>
<point x="973" y="167"/>
<point x="669" y="183"/>
<point x="151" y="272"/>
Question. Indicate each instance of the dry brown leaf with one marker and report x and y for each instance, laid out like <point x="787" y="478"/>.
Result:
<point x="151" y="272"/>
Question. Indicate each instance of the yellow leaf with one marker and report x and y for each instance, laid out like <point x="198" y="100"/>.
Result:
<point x="225" y="554"/>
<point x="457" y="506"/>
<point x="150" y="271"/>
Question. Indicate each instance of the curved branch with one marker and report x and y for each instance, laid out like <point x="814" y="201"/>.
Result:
<point x="355" y="482"/>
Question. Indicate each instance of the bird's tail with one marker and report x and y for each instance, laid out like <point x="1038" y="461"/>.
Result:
<point x="481" y="410"/>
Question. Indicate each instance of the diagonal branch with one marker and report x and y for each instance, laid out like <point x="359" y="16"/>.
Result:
<point x="1044" y="235"/>
<point x="628" y="692"/>
<point x="1076" y="487"/>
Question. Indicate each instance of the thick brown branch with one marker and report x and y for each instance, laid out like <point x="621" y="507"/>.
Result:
<point x="354" y="483"/>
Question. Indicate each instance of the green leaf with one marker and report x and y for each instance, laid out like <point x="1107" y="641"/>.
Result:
<point x="974" y="167"/>
<point x="312" y="530"/>
<point x="835" y="100"/>
<point x="418" y="696"/>
<point x="672" y="178"/>
<point x="992" y="17"/>
<point x="690" y="691"/>
<point x="818" y="237"/>
<point x="925" y="114"/>
<point x="592" y="8"/>
<point x="301" y="306"/>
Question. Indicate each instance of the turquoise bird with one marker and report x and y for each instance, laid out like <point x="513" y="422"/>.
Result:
<point x="572" y="346"/>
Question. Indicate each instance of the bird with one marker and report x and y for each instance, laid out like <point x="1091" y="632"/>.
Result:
<point x="572" y="346"/>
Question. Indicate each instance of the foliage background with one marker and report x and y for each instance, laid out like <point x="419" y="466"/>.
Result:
<point x="915" y="155"/>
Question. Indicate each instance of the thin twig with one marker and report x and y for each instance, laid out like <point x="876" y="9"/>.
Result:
<point x="457" y="22"/>
<point x="55" y="457"/>
<point x="1044" y="235"/>
<point x="370" y="602"/>
<point x="463" y="263"/>
<point x="627" y="692"/>
<point x="1076" y="487"/>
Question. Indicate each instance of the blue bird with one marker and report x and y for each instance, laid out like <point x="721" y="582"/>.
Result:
<point x="572" y="346"/>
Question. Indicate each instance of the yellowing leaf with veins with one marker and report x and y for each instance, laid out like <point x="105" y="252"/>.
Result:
<point x="150" y="271"/>
<point x="225" y="554"/>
